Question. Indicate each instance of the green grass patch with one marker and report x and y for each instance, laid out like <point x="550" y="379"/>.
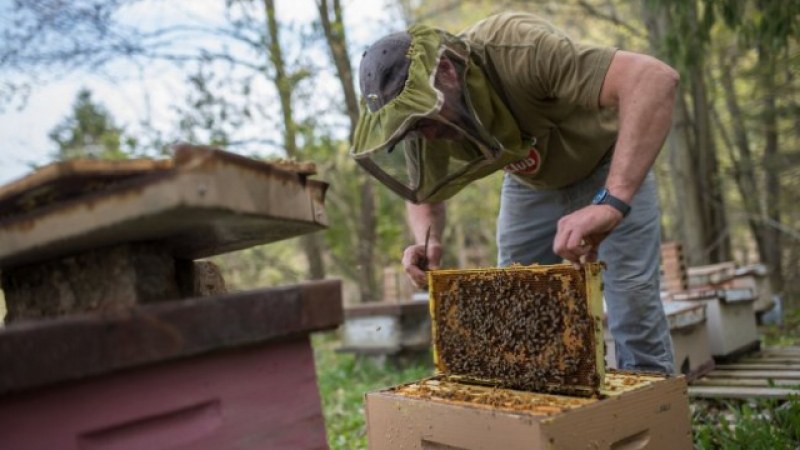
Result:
<point x="785" y="334"/>
<point x="344" y="379"/>
<point x="753" y="425"/>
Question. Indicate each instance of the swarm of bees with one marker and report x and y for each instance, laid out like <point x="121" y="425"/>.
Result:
<point x="533" y="328"/>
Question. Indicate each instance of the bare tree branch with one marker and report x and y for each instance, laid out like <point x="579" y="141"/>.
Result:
<point x="610" y="17"/>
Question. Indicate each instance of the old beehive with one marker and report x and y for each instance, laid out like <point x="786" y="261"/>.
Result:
<point x="535" y="328"/>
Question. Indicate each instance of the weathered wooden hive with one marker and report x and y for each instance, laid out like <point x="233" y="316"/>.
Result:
<point x="533" y="328"/>
<point x="116" y="337"/>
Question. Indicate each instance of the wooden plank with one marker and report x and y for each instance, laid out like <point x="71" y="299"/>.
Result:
<point x="709" y="381"/>
<point x="784" y="374"/>
<point x="39" y="353"/>
<point x="739" y="392"/>
<point x="758" y="366"/>
<point x="212" y="202"/>
<point x="63" y="180"/>
<point x="780" y="351"/>
<point x="259" y="397"/>
<point x="770" y="360"/>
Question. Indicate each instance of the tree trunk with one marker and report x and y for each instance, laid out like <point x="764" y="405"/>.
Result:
<point x="337" y="43"/>
<point x="743" y="162"/>
<point x="366" y="234"/>
<point x="312" y="247"/>
<point x="770" y="163"/>
<point x="716" y="238"/>
<point x="688" y="200"/>
<point x="689" y="226"/>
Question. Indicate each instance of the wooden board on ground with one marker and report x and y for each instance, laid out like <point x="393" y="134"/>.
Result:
<point x="775" y="351"/>
<point x="205" y="202"/>
<point x="709" y="381"/>
<point x="740" y="392"/>
<point x="765" y="374"/>
<point x="759" y="366"/>
<point x="755" y="375"/>
<point x="767" y="360"/>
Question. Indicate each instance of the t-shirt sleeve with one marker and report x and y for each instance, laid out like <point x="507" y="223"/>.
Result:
<point x="567" y="71"/>
<point x="534" y="56"/>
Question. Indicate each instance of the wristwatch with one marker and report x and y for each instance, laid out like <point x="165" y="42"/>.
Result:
<point x="603" y="197"/>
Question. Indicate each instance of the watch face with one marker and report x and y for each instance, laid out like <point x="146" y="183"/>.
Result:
<point x="601" y="194"/>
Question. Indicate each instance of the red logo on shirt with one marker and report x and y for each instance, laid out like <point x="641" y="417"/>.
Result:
<point x="527" y="166"/>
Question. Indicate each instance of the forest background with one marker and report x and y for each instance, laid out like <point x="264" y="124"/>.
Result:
<point x="255" y="80"/>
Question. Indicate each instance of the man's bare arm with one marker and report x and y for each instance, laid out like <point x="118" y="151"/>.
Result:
<point x="643" y="90"/>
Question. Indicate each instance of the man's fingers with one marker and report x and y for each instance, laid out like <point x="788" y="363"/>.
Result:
<point x="417" y="276"/>
<point x="412" y="258"/>
<point x="560" y="242"/>
<point x="569" y="246"/>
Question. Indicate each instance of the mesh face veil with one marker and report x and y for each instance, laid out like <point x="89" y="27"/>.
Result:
<point x="424" y="113"/>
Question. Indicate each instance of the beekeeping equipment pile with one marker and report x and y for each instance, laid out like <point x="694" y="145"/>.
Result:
<point x="117" y="337"/>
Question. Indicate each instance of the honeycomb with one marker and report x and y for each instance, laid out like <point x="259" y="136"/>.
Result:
<point x="532" y="328"/>
<point x="444" y="389"/>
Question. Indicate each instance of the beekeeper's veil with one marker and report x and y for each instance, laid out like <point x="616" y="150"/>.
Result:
<point x="430" y="121"/>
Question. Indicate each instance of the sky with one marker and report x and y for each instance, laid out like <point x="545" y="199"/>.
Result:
<point x="149" y="93"/>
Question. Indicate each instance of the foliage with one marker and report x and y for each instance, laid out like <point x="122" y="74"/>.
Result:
<point x="344" y="201"/>
<point x="785" y="334"/>
<point x="46" y="34"/>
<point x="345" y="378"/>
<point x="471" y="224"/>
<point x="774" y="23"/>
<point x="273" y="264"/>
<point x="759" y="424"/>
<point x="89" y="132"/>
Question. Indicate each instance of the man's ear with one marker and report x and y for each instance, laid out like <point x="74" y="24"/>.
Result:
<point x="446" y="75"/>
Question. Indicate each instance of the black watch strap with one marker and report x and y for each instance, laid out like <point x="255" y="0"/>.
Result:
<point x="603" y="197"/>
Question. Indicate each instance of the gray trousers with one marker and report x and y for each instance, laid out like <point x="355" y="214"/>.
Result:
<point x="526" y="228"/>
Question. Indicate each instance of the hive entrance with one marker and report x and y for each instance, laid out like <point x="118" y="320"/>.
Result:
<point x="534" y="328"/>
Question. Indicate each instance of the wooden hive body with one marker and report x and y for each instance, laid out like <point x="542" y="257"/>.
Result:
<point x="534" y="328"/>
<point x="633" y="411"/>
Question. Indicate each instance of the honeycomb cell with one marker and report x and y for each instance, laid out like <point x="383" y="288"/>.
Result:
<point x="534" y="328"/>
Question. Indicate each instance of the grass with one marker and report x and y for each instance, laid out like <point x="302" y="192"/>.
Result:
<point x="786" y="334"/>
<point x="753" y="425"/>
<point x="344" y="379"/>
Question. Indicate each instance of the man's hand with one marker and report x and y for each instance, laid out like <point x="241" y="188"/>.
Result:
<point x="579" y="234"/>
<point x="414" y="258"/>
<point x="426" y="221"/>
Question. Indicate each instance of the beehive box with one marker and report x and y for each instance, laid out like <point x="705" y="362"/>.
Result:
<point x="381" y="328"/>
<point x="731" y="319"/>
<point x="534" y="328"/>
<point x="688" y="329"/>
<point x="633" y="411"/>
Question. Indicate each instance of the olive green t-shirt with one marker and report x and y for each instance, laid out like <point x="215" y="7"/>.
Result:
<point x="552" y="87"/>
